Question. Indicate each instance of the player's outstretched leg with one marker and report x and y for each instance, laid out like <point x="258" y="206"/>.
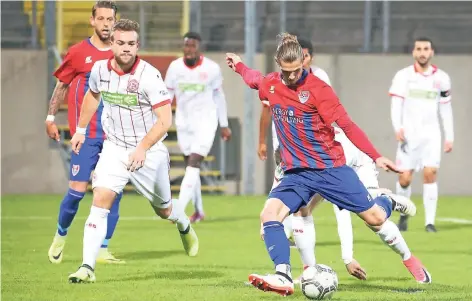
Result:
<point x="105" y="256"/>
<point x="197" y="200"/>
<point x="190" y="180"/>
<point x="391" y="236"/>
<point x="278" y="248"/>
<point x="305" y="237"/>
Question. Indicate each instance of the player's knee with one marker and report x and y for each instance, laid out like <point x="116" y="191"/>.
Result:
<point x="78" y="186"/>
<point x="163" y="212"/>
<point x="404" y="181"/>
<point x="429" y="175"/>
<point x="274" y="210"/>
<point x="375" y="220"/>
<point x="195" y="160"/>
<point x="103" y="197"/>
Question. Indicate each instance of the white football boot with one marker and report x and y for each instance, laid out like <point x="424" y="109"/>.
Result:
<point x="272" y="283"/>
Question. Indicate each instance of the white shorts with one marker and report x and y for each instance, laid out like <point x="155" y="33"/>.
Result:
<point x="198" y="138"/>
<point x="415" y="156"/>
<point x="367" y="173"/>
<point x="151" y="180"/>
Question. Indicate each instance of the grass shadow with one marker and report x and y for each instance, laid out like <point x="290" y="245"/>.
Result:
<point x="171" y="275"/>
<point x="146" y="255"/>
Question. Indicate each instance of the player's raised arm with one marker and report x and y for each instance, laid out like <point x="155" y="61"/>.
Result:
<point x="331" y="110"/>
<point x="251" y="77"/>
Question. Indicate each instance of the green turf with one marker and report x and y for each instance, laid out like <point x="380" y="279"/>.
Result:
<point x="230" y="249"/>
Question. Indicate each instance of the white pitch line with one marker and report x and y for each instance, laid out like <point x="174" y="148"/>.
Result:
<point x="44" y="218"/>
<point x="455" y="220"/>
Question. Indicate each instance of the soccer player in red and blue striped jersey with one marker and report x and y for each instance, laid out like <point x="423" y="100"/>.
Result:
<point x="304" y="109"/>
<point x="73" y="75"/>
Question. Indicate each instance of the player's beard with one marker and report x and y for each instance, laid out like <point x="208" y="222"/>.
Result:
<point x="125" y="64"/>
<point x="191" y="61"/>
<point x="423" y="62"/>
<point x="104" y="39"/>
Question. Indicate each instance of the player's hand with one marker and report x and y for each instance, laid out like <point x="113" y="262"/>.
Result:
<point x="387" y="165"/>
<point x="448" y="146"/>
<point x="136" y="159"/>
<point x="226" y="133"/>
<point x="262" y="151"/>
<point x="400" y="135"/>
<point x="52" y="131"/>
<point x="77" y="141"/>
<point x="232" y="60"/>
<point x="355" y="269"/>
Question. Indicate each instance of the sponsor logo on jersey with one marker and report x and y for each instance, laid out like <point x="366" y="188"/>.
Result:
<point x="88" y="60"/>
<point x="423" y="94"/>
<point x="126" y="100"/>
<point x="188" y="87"/>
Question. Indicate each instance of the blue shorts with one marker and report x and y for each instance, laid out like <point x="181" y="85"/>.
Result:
<point x="82" y="165"/>
<point x="339" y="185"/>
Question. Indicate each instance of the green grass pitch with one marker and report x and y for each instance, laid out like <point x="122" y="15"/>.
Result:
<point x="230" y="249"/>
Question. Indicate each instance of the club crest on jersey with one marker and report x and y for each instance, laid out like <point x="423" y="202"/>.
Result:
<point x="75" y="169"/>
<point x="437" y="84"/>
<point x="133" y="86"/>
<point x="203" y="76"/>
<point x="303" y="96"/>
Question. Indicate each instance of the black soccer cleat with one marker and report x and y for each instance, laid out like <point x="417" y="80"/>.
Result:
<point x="403" y="223"/>
<point x="431" y="228"/>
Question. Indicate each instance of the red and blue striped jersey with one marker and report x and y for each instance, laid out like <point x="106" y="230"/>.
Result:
<point x="75" y="71"/>
<point x="303" y="115"/>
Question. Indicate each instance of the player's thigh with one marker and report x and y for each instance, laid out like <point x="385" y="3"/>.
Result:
<point x="204" y="137"/>
<point x="407" y="158"/>
<point x="292" y="193"/>
<point x="431" y="153"/>
<point x="111" y="171"/>
<point x="83" y="163"/>
<point x="152" y="180"/>
<point x="184" y="139"/>
<point x="342" y="187"/>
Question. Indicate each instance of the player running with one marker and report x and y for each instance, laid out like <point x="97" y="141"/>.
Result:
<point x="136" y="116"/>
<point x="303" y="109"/>
<point x="303" y="229"/>
<point x="73" y="81"/>
<point x="196" y="82"/>
<point x="418" y="92"/>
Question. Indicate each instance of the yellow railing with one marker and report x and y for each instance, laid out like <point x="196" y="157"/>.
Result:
<point x="185" y="24"/>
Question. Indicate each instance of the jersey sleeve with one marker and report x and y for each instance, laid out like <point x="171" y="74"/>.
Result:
<point x="156" y="90"/>
<point x="445" y="89"/>
<point x="66" y="71"/>
<point x="327" y="103"/>
<point x="94" y="78"/>
<point x="170" y="77"/>
<point x="399" y="85"/>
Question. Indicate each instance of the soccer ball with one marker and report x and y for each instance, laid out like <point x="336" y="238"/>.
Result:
<point x="319" y="282"/>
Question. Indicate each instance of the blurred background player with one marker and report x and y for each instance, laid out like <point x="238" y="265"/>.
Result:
<point x="303" y="229"/>
<point x="73" y="76"/>
<point x="137" y="115"/>
<point x="418" y="92"/>
<point x="196" y="82"/>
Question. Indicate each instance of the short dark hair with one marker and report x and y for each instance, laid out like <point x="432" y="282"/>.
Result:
<point x="193" y="35"/>
<point x="105" y="4"/>
<point x="125" y="25"/>
<point x="425" y="39"/>
<point x="306" y="44"/>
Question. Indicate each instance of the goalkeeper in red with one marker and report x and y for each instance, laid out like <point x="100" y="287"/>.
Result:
<point x="303" y="109"/>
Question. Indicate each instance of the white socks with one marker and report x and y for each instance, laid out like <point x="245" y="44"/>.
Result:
<point x="178" y="215"/>
<point x="346" y="237"/>
<point x="189" y="182"/>
<point x="430" y="202"/>
<point x="197" y="197"/>
<point x="94" y="234"/>
<point x="392" y="237"/>
<point x="406" y="192"/>
<point x="304" y="236"/>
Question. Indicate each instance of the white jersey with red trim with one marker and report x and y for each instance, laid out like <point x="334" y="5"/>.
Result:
<point x="194" y="89"/>
<point x="421" y="94"/>
<point x="129" y="100"/>
<point x="316" y="71"/>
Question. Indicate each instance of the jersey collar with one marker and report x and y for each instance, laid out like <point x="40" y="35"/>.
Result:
<point x="431" y="70"/>
<point x="121" y="73"/>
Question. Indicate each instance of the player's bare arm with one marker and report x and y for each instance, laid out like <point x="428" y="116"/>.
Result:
<point x="89" y="107"/>
<point x="264" y="123"/>
<point x="58" y="96"/>
<point x="158" y="130"/>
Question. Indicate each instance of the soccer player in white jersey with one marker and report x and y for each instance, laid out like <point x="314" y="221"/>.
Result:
<point x="418" y="92"/>
<point x="196" y="82"/>
<point x="136" y="116"/>
<point x="303" y="229"/>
